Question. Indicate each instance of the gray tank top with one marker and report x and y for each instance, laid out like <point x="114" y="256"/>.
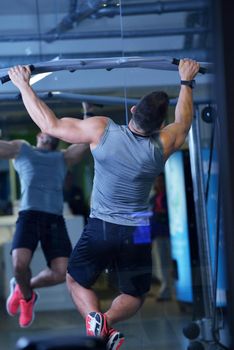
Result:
<point x="41" y="176"/>
<point x="125" y="168"/>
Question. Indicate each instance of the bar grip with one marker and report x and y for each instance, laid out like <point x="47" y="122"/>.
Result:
<point x="6" y="78"/>
<point x="176" y="61"/>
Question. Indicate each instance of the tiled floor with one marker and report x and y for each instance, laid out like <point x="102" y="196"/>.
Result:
<point x="157" y="326"/>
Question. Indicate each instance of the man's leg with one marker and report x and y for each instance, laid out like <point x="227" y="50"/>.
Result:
<point x="85" y="299"/>
<point x="98" y="324"/>
<point x="56" y="247"/>
<point x="21" y="258"/>
<point x="156" y="263"/>
<point x="52" y="275"/>
<point x="22" y="296"/>
<point x="165" y="292"/>
<point x="123" y="306"/>
<point x="84" y="267"/>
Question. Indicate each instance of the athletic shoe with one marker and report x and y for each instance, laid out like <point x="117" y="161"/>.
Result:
<point x="27" y="311"/>
<point x="115" y="339"/>
<point x="13" y="301"/>
<point x="96" y="325"/>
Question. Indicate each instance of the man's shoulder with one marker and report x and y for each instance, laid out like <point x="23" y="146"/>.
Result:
<point x="20" y="142"/>
<point x="20" y="145"/>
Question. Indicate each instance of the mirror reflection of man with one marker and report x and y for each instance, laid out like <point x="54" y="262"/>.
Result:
<point x="41" y="171"/>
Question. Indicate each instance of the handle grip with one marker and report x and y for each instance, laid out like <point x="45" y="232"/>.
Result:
<point x="176" y="61"/>
<point x="6" y="78"/>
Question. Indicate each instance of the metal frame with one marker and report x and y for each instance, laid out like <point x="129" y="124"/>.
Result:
<point x="160" y="63"/>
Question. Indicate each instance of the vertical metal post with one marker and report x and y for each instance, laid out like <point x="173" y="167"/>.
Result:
<point x="201" y="217"/>
<point x="223" y="14"/>
<point x="12" y="176"/>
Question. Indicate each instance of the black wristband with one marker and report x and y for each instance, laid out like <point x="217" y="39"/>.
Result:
<point x="190" y="83"/>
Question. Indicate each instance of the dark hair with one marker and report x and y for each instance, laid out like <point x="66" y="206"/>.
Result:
<point x="53" y="141"/>
<point x="151" y="111"/>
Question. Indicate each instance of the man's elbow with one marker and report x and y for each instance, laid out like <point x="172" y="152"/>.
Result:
<point x="51" y="129"/>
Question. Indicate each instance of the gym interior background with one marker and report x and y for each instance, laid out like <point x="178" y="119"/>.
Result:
<point x="199" y="315"/>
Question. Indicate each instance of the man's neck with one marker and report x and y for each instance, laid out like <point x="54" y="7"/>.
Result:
<point x="136" y="130"/>
<point x="44" y="147"/>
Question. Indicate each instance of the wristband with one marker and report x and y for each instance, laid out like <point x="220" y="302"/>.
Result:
<point x="190" y="83"/>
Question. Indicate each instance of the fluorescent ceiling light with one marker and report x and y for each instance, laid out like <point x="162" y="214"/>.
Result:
<point x="41" y="76"/>
<point x="38" y="77"/>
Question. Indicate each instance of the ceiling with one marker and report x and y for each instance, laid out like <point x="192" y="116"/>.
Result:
<point x="33" y="31"/>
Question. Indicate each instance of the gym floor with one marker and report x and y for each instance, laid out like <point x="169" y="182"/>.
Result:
<point x="158" y="325"/>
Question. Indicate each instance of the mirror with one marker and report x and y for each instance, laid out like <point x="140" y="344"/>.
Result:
<point x="47" y="31"/>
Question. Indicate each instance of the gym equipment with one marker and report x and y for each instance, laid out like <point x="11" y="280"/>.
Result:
<point x="61" y="343"/>
<point x="160" y="63"/>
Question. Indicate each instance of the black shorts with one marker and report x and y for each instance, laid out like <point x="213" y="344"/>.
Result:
<point x="34" y="226"/>
<point x="103" y="244"/>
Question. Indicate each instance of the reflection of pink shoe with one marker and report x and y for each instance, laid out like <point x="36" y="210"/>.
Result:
<point x="115" y="339"/>
<point x="27" y="311"/>
<point x="13" y="301"/>
<point x="96" y="325"/>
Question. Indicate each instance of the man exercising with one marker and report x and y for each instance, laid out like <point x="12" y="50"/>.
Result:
<point x="41" y="170"/>
<point x="127" y="160"/>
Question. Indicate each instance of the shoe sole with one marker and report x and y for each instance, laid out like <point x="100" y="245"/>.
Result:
<point x="12" y="288"/>
<point x="33" y="315"/>
<point x="100" y="324"/>
<point x="115" y="342"/>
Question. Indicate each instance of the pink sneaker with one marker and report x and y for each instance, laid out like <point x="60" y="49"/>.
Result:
<point x="96" y="325"/>
<point x="27" y="311"/>
<point x="115" y="339"/>
<point x="13" y="301"/>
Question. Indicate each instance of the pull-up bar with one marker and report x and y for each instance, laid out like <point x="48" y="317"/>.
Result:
<point x="103" y="100"/>
<point x="160" y="63"/>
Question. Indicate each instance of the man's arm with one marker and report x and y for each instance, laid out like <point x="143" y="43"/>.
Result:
<point x="68" y="129"/>
<point x="74" y="153"/>
<point x="174" y="134"/>
<point x="10" y="149"/>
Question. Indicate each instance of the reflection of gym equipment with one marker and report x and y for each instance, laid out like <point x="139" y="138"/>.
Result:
<point x="98" y="100"/>
<point x="183" y="231"/>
